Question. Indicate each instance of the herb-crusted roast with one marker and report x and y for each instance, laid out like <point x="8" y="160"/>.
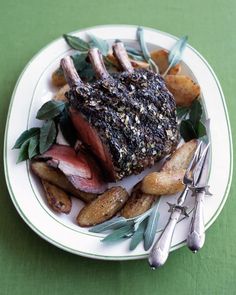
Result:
<point x="128" y="119"/>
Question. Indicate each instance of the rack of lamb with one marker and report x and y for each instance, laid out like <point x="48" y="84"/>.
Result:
<point x="126" y="119"/>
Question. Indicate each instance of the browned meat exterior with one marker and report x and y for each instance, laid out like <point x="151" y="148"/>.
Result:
<point x="128" y="120"/>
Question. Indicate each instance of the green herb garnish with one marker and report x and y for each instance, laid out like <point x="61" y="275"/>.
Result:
<point x="114" y="223"/>
<point x="38" y="140"/>
<point x="25" y="136"/>
<point x="33" y="148"/>
<point x="48" y="133"/>
<point x="138" y="235"/>
<point x="76" y="42"/>
<point x="146" y="54"/>
<point x="142" y="227"/>
<point x="119" y="233"/>
<point x="150" y="230"/>
<point x="23" y="153"/>
<point x="176" y="53"/>
<point x="50" y="110"/>
<point x="101" y="44"/>
<point x="192" y="126"/>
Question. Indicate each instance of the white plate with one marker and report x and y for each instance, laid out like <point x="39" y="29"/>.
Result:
<point x="33" y="88"/>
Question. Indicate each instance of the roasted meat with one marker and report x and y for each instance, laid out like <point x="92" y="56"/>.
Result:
<point x="127" y="119"/>
<point x="79" y="168"/>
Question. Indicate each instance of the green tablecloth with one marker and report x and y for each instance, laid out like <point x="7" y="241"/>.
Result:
<point x="30" y="265"/>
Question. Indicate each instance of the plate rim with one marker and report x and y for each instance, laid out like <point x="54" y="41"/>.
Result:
<point x="103" y="257"/>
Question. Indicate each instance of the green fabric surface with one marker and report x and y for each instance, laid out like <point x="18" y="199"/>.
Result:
<point x="30" y="265"/>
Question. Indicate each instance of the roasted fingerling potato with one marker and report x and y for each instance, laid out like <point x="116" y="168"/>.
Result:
<point x="160" y="57"/>
<point x="175" y="70"/>
<point x="183" y="88"/>
<point x="57" y="199"/>
<point x="58" y="78"/>
<point x="137" y="64"/>
<point x="163" y="183"/>
<point x="103" y="208"/>
<point x="56" y="177"/>
<point x="182" y="156"/>
<point x="138" y="203"/>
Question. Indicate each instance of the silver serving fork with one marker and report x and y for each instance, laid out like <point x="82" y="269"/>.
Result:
<point x="196" y="236"/>
<point x="161" y="248"/>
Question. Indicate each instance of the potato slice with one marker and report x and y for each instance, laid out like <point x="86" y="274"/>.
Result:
<point x="56" y="177"/>
<point x="160" y="57"/>
<point x="138" y="203"/>
<point x="135" y="63"/>
<point x="175" y="70"/>
<point x="60" y="95"/>
<point x="58" y="78"/>
<point x="103" y="208"/>
<point x="184" y="89"/>
<point x="57" y="199"/>
<point x="181" y="158"/>
<point x="113" y="60"/>
<point x="139" y="64"/>
<point x="163" y="183"/>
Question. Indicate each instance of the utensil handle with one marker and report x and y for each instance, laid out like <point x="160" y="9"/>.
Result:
<point x="196" y="236"/>
<point x="161" y="248"/>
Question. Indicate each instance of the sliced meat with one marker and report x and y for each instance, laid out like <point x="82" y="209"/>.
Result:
<point x="79" y="168"/>
<point x="65" y="158"/>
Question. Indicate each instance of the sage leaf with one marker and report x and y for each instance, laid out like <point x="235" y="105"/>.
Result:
<point x="33" y="149"/>
<point x="138" y="235"/>
<point x="182" y="112"/>
<point x="146" y="54"/>
<point x="176" y="52"/>
<point x="195" y="113"/>
<point x="23" y="153"/>
<point x="83" y="68"/>
<point x="50" y="110"/>
<point x="67" y="128"/>
<point x="133" y="51"/>
<point x="27" y="134"/>
<point x="79" y="60"/>
<point x="151" y="228"/>
<point x="135" y="57"/>
<point x="119" y="233"/>
<point x="101" y="44"/>
<point x="76" y="42"/>
<point x="201" y="129"/>
<point x="114" y="223"/>
<point x="143" y="46"/>
<point x="47" y="137"/>
<point x="87" y="74"/>
<point x="187" y="130"/>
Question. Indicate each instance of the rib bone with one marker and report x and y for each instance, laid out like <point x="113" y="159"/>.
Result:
<point x="120" y="53"/>
<point x="98" y="65"/>
<point x="70" y="72"/>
